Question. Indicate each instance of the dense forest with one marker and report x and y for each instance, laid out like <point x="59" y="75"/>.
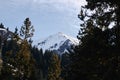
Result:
<point x="97" y="57"/>
<point x="22" y="61"/>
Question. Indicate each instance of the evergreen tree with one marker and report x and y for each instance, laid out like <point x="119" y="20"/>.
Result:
<point x="27" y="30"/>
<point x="16" y="35"/>
<point x="8" y="67"/>
<point x="18" y="60"/>
<point x="24" y="63"/>
<point x="10" y="48"/>
<point x="1" y="25"/>
<point x="109" y="15"/>
<point x="39" y="59"/>
<point x="54" y="68"/>
<point x="3" y="37"/>
<point x="97" y="55"/>
<point x="24" y="60"/>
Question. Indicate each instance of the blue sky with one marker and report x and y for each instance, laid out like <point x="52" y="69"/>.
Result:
<point x="47" y="16"/>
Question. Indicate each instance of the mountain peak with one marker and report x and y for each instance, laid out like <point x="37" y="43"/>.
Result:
<point x="58" y="42"/>
<point x="60" y="34"/>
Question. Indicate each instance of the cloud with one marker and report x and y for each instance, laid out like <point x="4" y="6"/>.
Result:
<point x="60" y="13"/>
<point x="58" y="4"/>
<point x="61" y="3"/>
<point x="65" y="2"/>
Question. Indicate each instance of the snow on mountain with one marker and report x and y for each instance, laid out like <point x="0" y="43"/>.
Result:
<point x="59" y="42"/>
<point x="5" y="34"/>
<point x="3" y="31"/>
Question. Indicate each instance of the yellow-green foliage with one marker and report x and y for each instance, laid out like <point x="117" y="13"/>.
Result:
<point x="54" y="69"/>
<point x="24" y="62"/>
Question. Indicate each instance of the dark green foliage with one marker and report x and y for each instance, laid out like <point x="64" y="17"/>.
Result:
<point x="39" y="59"/>
<point x="97" y="55"/>
<point x="22" y="61"/>
<point x="47" y="57"/>
<point x="38" y="55"/>
<point x="90" y="59"/>
<point x="20" y="55"/>
<point x="54" y="68"/>
<point x="8" y="68"/>
<point x="10" y="48"/>
<point x="16" y="35"/>
<point x="107" y="12"/>
<point x="27" y="30"/>
<point x="18" y="62"/>
<point x="2" y="26"/>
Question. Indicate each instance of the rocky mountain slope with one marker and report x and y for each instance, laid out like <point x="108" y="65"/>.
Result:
<point x="59" y="43"/>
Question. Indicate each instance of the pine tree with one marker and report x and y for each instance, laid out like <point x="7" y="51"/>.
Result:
<point x="16" y="35"/>
<point x="39" y="59"/>
<point x="1" y="61"/>
<point x="18" y="61"/>
<point x="27" y="30"/>
<point x="97" y="55"/>
<point x="24" y="61"/>
<point x="54" y="68"/>
<point x="3" y="37"/>
<point x="8" y="68"/>
<point x="10" y="48"/>
<point x="1" y="25"/>
<point x="110" y="14"/>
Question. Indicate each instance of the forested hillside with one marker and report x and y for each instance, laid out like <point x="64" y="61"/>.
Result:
<point x="95" y="57"/>
<point x="22" y="61"/>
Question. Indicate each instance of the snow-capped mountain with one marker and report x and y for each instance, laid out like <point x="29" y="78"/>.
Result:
<point x="5" y="34"/>
<point x="59" y="42"/>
